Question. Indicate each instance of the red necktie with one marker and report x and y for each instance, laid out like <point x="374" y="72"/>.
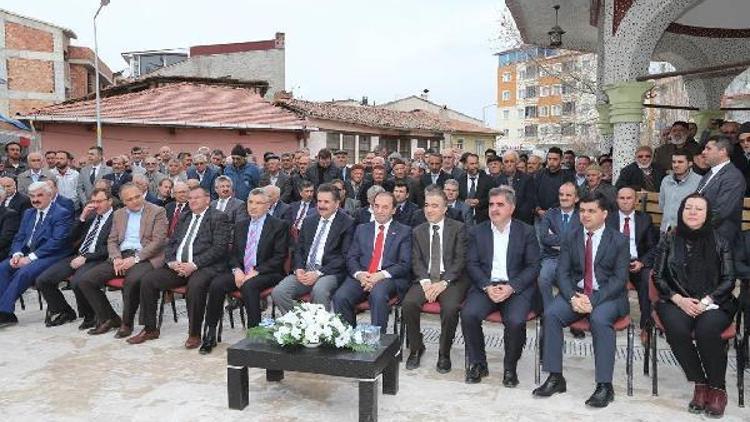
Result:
<point x="626" y="227"/>
<point x="588" y="271"/>
<point x="175" y="218"/>
<point x="377" y="252"/>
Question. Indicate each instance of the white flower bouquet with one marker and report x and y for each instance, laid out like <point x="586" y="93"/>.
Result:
<point x="310" y="325"/>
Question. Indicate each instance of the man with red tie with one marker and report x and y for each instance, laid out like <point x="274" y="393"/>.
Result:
<point x="378" y="263"/>
<point x="180" y="191"/>
<point x="592" y="272"/>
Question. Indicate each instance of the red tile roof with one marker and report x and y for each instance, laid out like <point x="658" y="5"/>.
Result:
<point x="179" y="104"/>
<point x="383" y="118"/>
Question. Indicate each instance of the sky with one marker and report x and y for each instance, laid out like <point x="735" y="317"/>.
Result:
<point x="382" y="49"/>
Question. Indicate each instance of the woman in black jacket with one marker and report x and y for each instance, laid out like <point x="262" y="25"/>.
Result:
<point x="694" y="274"/>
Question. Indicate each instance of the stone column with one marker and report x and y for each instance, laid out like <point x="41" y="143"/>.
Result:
<point x="605" y="128"/>
<point x="703" y="117"/>
<point x="626" y="114"/>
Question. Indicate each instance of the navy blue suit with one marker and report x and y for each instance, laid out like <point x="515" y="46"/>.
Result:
<point x="280" y="210"/>
<point x="65" y="203"/>
<point x="118" y="182"/>
<point x="50" y="243"/>
<point x="293" y="209"/>
<point x="403" y="215"/>
<point x="552" y="230"/>
<point x="396" y="260"/>
<point x="522" y="266"/>
<point x="207" y="183"/>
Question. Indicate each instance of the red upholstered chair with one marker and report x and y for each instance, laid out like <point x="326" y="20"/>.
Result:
<point x="182" y="290"/>
<point x="115" y="284"/>
<point x="729" y="333"/>
<point x="532" y="316"/>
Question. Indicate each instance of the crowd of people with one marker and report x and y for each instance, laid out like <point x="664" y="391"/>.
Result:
<point x="506" y="232"/>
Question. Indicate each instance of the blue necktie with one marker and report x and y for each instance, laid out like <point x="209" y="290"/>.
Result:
<point x="565" y="223"/>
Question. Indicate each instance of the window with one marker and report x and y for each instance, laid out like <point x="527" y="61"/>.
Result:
<point x="543" y="111"/>
<point x="568" y="129"/>
<point x="348" y="142"/>
<point x="530" y="130"/>
<point x="557" y="68"/>
<point x="530" y="112"/>
<point x="570" y="66"/>
<point x="530" y="91"/>
<point x="521" y="113"/>
<point x="544" y="91"/>
<point x="555" y="110"/>
<point x="506" y="114"/>
<point x="520" y="94"/>
<point x="567" y="89"/>
<point x="332" y="141"/>
<point x="479" y="147"/>
<point x="522" y="74"/>
<point x="364" y="145"/>
<point x="458" y="143"/>
<point x="531" y="72"/>
<point x="568" y="108"/>
<point x="506" y="77"/>
<point x="556" y="89"/>
<point x="506" y="95"/>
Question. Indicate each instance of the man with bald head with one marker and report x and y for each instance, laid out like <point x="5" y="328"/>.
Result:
<point x="14" y="199"/>
<point x="35" y="173"/>
<point x="522" y="184"/>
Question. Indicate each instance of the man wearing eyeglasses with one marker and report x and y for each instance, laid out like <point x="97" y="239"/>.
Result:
<point x="205" y="175"/>
<point x="643" y="173"/>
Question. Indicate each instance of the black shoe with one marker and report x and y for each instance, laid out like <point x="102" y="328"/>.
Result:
<point x="510" y="378"/>
<point x="47" y="318"/>
<point x="555" y="383"/>
<point x="209" y="342"/>
<point x="603" y="395"/>
<point x="444" y="364"/>
<point x="63" y="318"/>
<point x="88" y="322"/>
<point x="7" y="319"/>
<point x="476" y="372"/>
<point x="415" y="356"/>
<point x="578" y="334"/>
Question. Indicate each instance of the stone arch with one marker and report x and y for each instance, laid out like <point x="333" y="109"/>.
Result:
<point x="684" y="54"/>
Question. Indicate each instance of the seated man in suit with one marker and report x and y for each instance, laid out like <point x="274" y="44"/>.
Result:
<point x="14" y="199"/>
<point x="9" y="223"/>
<point x="503" y="264"/>
<point x="305" y="207"/>
<point x="141" y="181"/>
<point x="119" y="176"/>
<point x="366" y="214"/>
<point x="379" y="264"/>
<point x="319" y="264"/>
<point x="57" y="198"/>
<point x="438" y="259"/>
<point x="276" y="207"/>
<point x="175" y="210"/>
<point x="204" y="174"/>
<point x="90" y="231"/>
<point x="194" y="256"/>
<point x="136" y="246"/>
<point x="42" y="239"/>
<point x="591" y="273"/>
<point x="259" y="249"/>
<point x="404" y="207"/>
<point x="450" y="187"/>
<point x="643" y="237"/>
<point x="234" y="208"/>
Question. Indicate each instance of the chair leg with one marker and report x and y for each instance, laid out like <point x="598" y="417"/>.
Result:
<point x="402" y="338"/>
<point x="41" y="302"/>
<point x="174" y="308"/>
<point x="231" y="314"/>
<point x="629" y="363"/>
<point x="537" y="366"/>
<point x="273" y="310"/>
<point x="647" y="353"/>
<point x="161" y="307"/>
<point x="740" y="356"/>
<point x="654" y="361"/>
<point x="221" y="325"/>
<point x="23" y="304"/>
<point x="242" y="315"/>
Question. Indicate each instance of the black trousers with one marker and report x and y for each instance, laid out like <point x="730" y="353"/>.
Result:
<point x="164" y="278"/>
<point x="92" y="286"/>
<point x="450" y="303"/>
<point x="640" y="281"/>
<point x="48" y="284"/>
<point x="697" y="343"/>
<point x="224" y="284"/>
<point x="514" y="311"/>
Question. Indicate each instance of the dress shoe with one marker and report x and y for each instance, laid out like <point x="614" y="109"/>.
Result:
<point x="578" y="334"/>
<point x="63" y="318"/>
<point x="510" y="378"/>
<point x="124" y="331"/>
<point x="48" y="318"/>
<point x="7" y="319"/>
<point x="143" y="336"/>
<point x="603" y="395"/>
<point x="716" y="402"/>
<point x="192" y="342"/>
<point x="88" y="322"/>
<point x="415" y="356"/>
<point x="209" y="342"/>
<point x="555" y="383"/>
<point x="444" y="364"/>
<point x="476" y="372"/>
<point x="700" y="395"/>
<point x="105" y="326"/>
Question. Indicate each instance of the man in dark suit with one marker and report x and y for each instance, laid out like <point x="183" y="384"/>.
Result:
<point x="319" y="264"/>
<point x="59" y="199"/>
<point x="366" y="213"/>
<point x="592" y="272"/>
<point x="438" y="261"/>
<point x="13" y="199"/>
<point x="93" y="171"/>
<point x="378" y="179"/>
<point x="404" y="207"/>
<point x="643" y="173"/>
<point x="90" y="232"/>
<point x="194" y="256"/>
<point x="42" y="239"/>
<point x="205" y="175"/>
<point x="724" y="187"/>
<point x="503" y="279"/>
<point x="255" y="266"/>
<point x="276" y="208"/>
<point x="643" y="237"/>
<point x="273" y="176"/>
<point x="234" y="208"/>
<point x="474" y="187"/>
<point x="290" y="192"/>
<point x="323" y="171"/>
<point x="522" y="184"/>
<point x="119" y="176"/>
<point x="355" y="182"/>
<point x="379" y="264"/>
<point x="305" y="207"/>
<point x="741" y="154"/>
<point x="9" y="223"/>
<point x="136" y="246"/>
<point x="435" y="175"/>
<point x="175" y="210"/>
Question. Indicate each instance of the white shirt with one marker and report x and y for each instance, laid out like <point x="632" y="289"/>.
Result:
<point x="631" y="227"/>
<point x="500" y="239"/>
<point x="8" y="199"/>
<point x="67" y="185"/>
<point x="372" y="217"/>
<point x="304" y="208"/>
<point x="221" y="204"/>
<point x="183" y="244"/>
<point x="92" y="246"/>
<point x="386" y="225"/>
<point x="440" y="225"/>
<point x="595" y="239"/>
<point x="715" y="169"/>
<point x="32" y="256"/>
<point x="318" y="258"/>
<point x="468" y="182"/>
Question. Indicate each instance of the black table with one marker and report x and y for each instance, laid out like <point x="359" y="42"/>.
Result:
<point x="366" y="367"/>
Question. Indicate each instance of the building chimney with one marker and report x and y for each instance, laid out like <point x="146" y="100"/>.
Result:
<point x="364" y="101"/>
<point x="282" y="95"/>
<point x="425" y="95"/>
<point x="280" y="40"/>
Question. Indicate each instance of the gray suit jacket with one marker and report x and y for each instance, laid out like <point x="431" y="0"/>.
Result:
<point x="235" y="210"/>
<point x="281" y="179"/>
<point x="154" y="180"/>
<point x="24" y="180"/>
<point x="84" y="181"/>
<point x="453" y="249"/>
<point x="725" y="193"/>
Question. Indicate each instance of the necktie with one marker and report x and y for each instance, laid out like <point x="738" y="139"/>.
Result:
<point x="565" y="222"/>
<point x="473" y="188"/>
<point x="36" y="226"/>
<point x="175" y="218"/>
<point x="377" y="252"/>
<point x="435" y="254"/>
<point x="185" y="257"/>
<point x="588" y="272"/>
<point x="90" y="236"/>
<point x="626" y="227"/>
<point x="434" y="178"/>
<point x="92" y="175"/>
<point x="311" y="265"/>
<point x="251" y="247"/>
<point x="300" y="215"/>
<point x="117" y="177"/>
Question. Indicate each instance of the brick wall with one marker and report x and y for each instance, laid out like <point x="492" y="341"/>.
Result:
<point x="25" y="106"/>
<point x="31" y="75"/>
<point x="79" y="77"/>
<point x="21" y="37"/>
